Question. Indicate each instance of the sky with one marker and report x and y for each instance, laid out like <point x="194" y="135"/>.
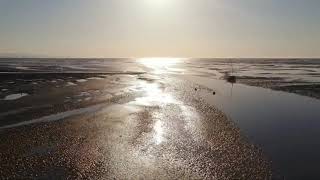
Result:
<point x="160" y="28"/>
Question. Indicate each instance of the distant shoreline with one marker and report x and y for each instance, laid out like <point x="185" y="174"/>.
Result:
<point x="196" y="58"/>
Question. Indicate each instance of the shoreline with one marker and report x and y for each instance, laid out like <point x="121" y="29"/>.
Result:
<point x="278" y="84"/>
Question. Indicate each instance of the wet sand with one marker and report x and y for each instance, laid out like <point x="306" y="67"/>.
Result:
<point x="298" y="76"/>
<point x="123" y="126"/>
<point x="158" y="119"/>
<point x="281" y="84"/>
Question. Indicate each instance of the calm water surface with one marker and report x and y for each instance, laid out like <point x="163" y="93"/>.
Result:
<point x="286" y="126"/>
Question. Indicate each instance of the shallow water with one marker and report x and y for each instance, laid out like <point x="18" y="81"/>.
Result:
<point x="12" y="97"/>
<point x="56" y="117"/>
<point x="68" y="65"/>
<point x="286" y="126"/>
<point x="304" y="70"/>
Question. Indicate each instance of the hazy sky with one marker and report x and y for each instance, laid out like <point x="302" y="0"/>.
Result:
<point x="153" y="28"/>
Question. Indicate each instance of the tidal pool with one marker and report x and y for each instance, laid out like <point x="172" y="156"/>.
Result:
<point x="285" y="126"/>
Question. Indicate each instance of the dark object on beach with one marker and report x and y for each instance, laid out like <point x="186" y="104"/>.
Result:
<point x="229" y="76"/>
<point x="195" y="89"/>
<point x="232" y="79"/>
<point x="214" y="93"/>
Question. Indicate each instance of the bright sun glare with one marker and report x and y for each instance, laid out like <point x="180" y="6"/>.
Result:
<point x="157" y="63"/>
<point x="159" y="3"/>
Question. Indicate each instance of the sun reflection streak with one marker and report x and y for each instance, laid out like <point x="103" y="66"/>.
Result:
<point x="158" y="128"/>
<point x="154" y="96"/>
<point x="159" y="65"/>
<point x="152" y="93"/>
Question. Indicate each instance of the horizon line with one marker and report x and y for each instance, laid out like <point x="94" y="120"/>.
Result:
<point x="155" y="57"/>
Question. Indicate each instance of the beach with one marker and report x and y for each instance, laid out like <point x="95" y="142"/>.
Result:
<point x="134" y="134"/>
<point x="141" y="120"/>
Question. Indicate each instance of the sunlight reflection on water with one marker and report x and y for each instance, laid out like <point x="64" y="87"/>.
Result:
<point x="160" y="65"/>
<point x="154" y="95"/>
<point x="158" y="129"/>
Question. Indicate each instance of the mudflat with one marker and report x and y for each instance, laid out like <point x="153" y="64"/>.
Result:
<point x="106" y="126"/>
